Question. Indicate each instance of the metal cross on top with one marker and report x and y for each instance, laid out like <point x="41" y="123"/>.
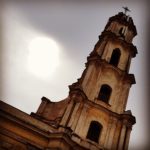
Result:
<point x="126" y="9"/>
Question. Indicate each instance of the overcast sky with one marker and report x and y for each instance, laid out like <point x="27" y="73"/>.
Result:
<point x="73" y="27"/>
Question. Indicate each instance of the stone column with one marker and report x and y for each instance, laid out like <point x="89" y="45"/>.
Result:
<point x="74" y="116"/>
<point x="107" y="133"/>
<point x="122" y="137"/>
<point x="126" y="144"/>
<point x="80" y="127"/>
<point x="67" y="113"/>
<point x="111" y="133"/>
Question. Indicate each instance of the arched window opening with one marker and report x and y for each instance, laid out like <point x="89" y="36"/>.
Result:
<point x="94" y="131"/>
<point x="105" y="93"/>
<point x="115" y="57"/>
<point x="121" y="32"/>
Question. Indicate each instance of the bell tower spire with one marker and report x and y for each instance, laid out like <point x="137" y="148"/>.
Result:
<point x="100" y="95"/>
<point x="94" y="114"/>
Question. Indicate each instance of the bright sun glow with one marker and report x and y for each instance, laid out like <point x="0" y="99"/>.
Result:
<point x="43" y="56"/>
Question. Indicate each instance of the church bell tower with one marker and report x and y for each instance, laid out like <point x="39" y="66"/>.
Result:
<point x="94" y="114"/>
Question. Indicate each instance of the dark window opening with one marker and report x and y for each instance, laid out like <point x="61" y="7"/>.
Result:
<point x="105" y="93"/>
<point x="115" y="57"/>
<point x="121" y="32"/>
<point x="94" y="131"/>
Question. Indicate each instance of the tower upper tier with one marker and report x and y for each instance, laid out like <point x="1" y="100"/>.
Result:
<point x="115" y="43"/>
<point x="123" y="26"/>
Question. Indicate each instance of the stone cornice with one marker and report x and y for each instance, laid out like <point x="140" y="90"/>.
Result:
<point x="22" y="118"/>
<point x="76" y="89"/>
<point x="109" y="36"/>
<point x="96" y="58"/>
<point x="124" y="116"/>
<point x="128" y="119"/>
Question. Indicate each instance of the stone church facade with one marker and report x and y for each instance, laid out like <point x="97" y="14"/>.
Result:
<point x="93" y="116"/>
